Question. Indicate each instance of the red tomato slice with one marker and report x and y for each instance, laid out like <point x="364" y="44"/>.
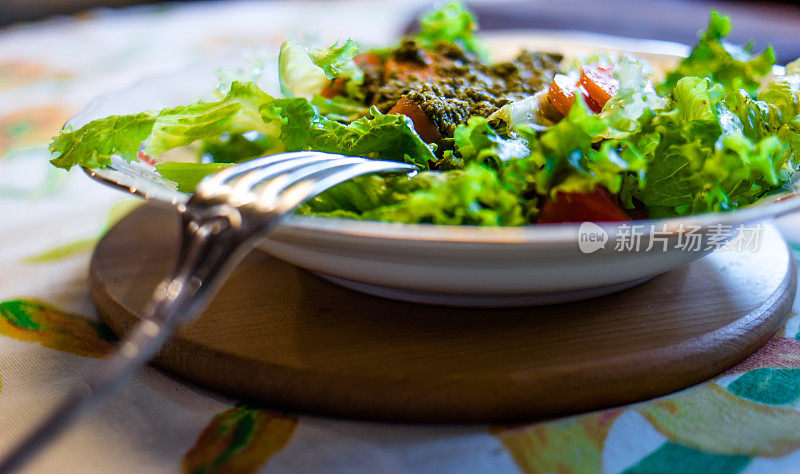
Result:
<point x="599" y="83"/>
<point x="597" y="206"/>
<point x="336" y="86"/>
<point x="589" y="101"/>
<point x="561" y="93"/>
<point x="424" y="69"/>
<point x="368" y="59"/>
<point x="424" y="126"/>
<point x="145" y="158"/>
<point x="333" y="88"/>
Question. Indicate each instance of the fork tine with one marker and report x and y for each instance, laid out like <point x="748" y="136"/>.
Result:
<point x="336" y="176"/>
<point x="285" y="194"/>
<point x="268" y="195"/>
<point x="359" y="169"/>
<point x="211" y="185"/>
<point x="240" y="188"/>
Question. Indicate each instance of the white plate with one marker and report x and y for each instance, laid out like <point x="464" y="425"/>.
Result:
<point x="475" y="266"/>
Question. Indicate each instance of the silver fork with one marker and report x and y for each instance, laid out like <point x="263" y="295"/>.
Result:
<point x="225" y="218"/>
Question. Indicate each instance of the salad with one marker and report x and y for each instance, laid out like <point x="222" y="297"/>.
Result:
<point x="533" y="140"/>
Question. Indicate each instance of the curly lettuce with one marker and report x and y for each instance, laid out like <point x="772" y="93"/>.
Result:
<point x="715" y="140"/>
<point x="276" y="125"/>
<point x="476" y="141"/>
<point x="729" y="65"/>
<point x="341" y="109"/>
<point x="188" y="175"/>
<point x="304" y="72"/>
<point x="387" y="137"/>
<point x="452" y="23"/>
<point x="573" y="163"/>
<point x="635" y="96"/>
<point x="244" y="108"/>
<point x="700" y="157"/>
<point x="472" y="196"/>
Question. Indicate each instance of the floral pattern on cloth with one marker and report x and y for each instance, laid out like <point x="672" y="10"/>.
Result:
<point x="745" y="420"/>
<point x="239" y="440"/>
<point x="30" y="127"/>
<point x="28" y="320"/>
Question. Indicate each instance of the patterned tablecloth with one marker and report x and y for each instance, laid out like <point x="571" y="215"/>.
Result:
<point x="746" y="420"/>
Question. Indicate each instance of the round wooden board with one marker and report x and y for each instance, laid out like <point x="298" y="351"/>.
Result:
<point x="278" y="334"/>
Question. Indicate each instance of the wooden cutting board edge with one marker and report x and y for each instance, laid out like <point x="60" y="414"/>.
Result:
<point x="393" y="399"/>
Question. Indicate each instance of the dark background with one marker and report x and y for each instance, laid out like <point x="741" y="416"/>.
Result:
<point x="765" y="22"/>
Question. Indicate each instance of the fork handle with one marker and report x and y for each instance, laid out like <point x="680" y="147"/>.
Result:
<point x="213" y="243"/>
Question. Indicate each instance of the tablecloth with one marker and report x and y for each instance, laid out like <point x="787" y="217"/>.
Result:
<point x="745" y="420"/>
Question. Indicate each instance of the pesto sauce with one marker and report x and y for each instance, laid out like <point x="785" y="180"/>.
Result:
<point x="463" y="86"/>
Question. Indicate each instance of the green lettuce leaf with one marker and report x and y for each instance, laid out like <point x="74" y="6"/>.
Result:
<point x="245" y="108"/>
<point x="476" y="141"/>
<point x="238" y="147"/>
<point x="304" y="72"/>
<point x="477" y="193"/>
<point x="188" y="175"/>
<point x="712" y="57"/>
<point x="295" y="116"/>
<point x="341" y="109"/>
<point x="385" y="137"/>
<point x="695" y="99"/>
<point x="93" y="144"/>
<point x="366" y="193"/>
<point x="775" y="113"/>
<point x="783" y="93"/>
<point x="472" y="196"/>
<point x="570" y="161"/>
<point x="452" y="23"/>
<point x="634" y="97"/>
<point x="756" y="118"/>
<point x="565" y="158"/>
<point x="337" y="61"/>
<point x="578" y="130"/>
<point x="701" y="157"/>
<point x="245" y="124"/>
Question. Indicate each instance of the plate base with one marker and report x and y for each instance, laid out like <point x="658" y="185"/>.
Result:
<point x="480" y="301"/>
